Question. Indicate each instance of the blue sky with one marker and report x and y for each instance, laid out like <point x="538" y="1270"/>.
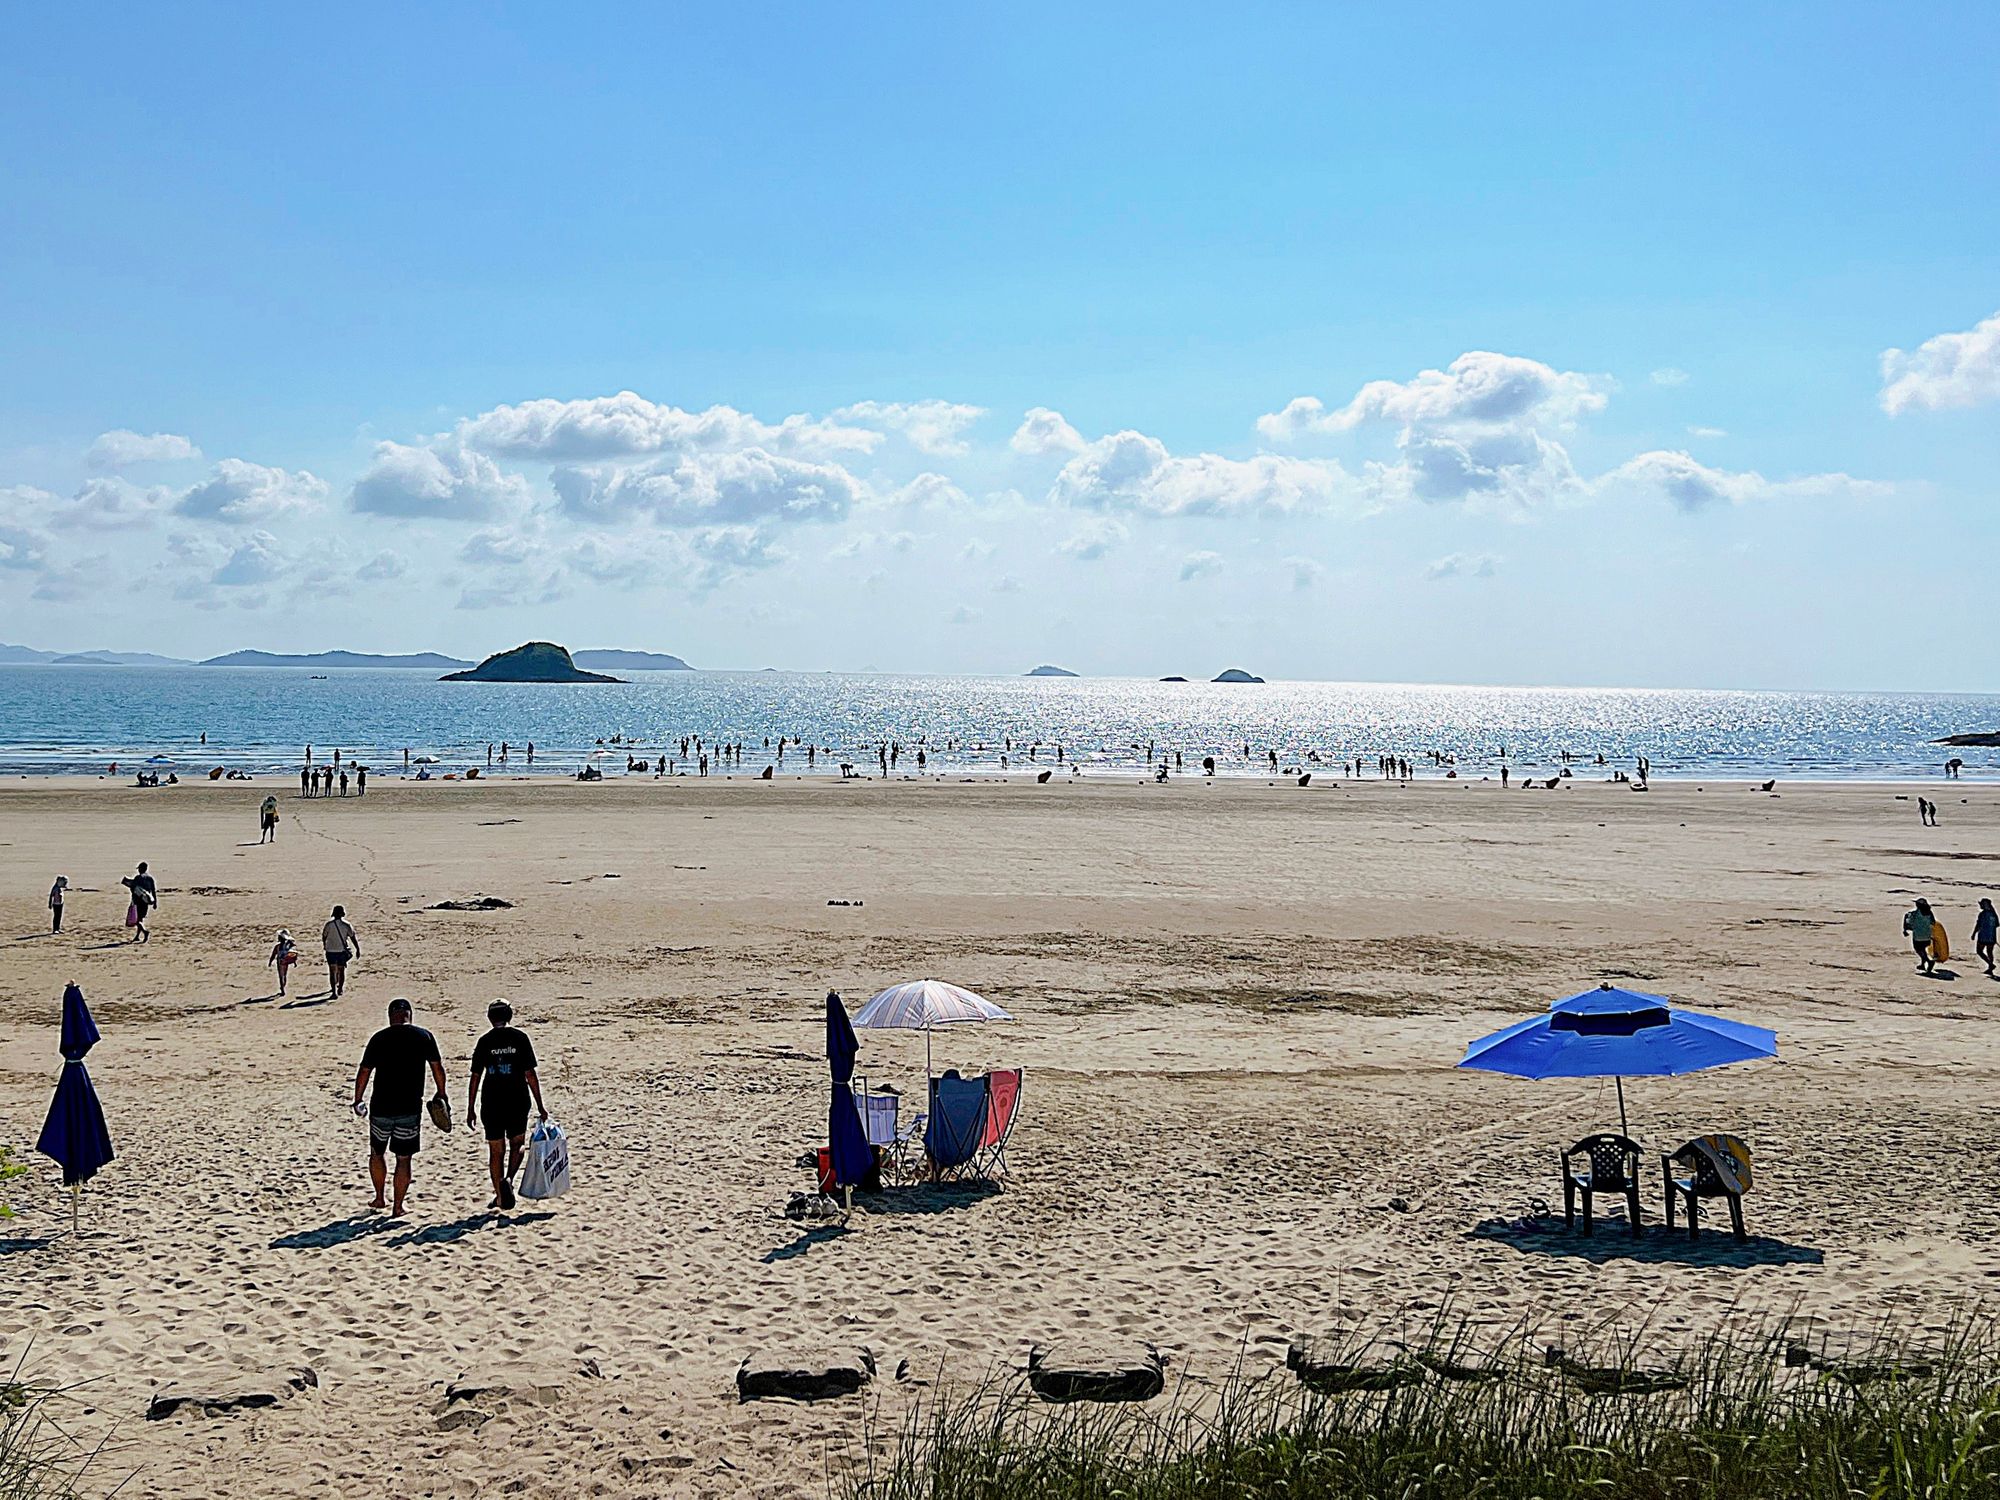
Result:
<point x="1654" y="263"/>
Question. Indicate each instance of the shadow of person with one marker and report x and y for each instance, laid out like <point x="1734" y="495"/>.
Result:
<point x="1656" y="1246"/>
<point x="458" y="1229"/>
<point x="1942" y="974"/>
<point x="818" y="1235"/>
<point x="307" y="1004"/>
<point x="344" y="1231"/>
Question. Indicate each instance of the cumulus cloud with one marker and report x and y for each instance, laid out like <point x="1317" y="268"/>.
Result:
<point x="932" y="490"/>
<point x="448" y="484"/>
<point x="1093" y="540"/>
<point x="1200" y="565"/>
<point x="111" y="504"/>
<point x="965" y="614"/>
<point x="931" y="426"/>
<point x="1462" y="565"/>
<point x="1691" y="485"/>
<point x="1514" y="468"/>
<point x="1670" y="376"/>
<point x="975" y="549"/>
<point x="240" y="491"/>
<point x="1007" y="583"/>
<point x="627" y="425"/>
<point x="382" y="567"/>
<point x="1477" y="389"/>
<point x="1129" y="471"/>
<point x="1044" y="431"/>
<point x="706" y="489"/>
<point x="122" y="447"/>
<point x="1707" y="432"/>
<point x="1306" y="572"/>
<point x="257" y="559"/>
<point x="1951" y="370"/>
<point x="24" y="547"/>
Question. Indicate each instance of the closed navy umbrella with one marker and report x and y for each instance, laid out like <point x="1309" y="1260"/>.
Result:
<point x="845" y="1137"/>
<point x="74" y="1134"/>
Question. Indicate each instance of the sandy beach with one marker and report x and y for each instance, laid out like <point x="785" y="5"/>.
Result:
<point x="1239" y="1009"/>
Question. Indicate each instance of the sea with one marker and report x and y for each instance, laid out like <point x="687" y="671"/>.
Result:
<point x="80" y="720"/>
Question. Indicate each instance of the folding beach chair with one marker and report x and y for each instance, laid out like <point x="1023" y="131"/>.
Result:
<point x="956" y="1126"/>
<point x="1003" y="1107"/>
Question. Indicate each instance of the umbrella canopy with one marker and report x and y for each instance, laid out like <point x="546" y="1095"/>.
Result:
<point x="845" y="1137"/>
<point x="74" y="1133"/>
<point x="923" y="1003"/>
<point x="1614" y="1033"/>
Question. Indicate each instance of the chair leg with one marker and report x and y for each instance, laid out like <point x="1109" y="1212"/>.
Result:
<point x="1736" y="1218"/>
<point x="1694" y="1215"/>
<point x="1632" y="1206"/>
<point x="1670" y="1206"/>
<point x="1587" y="1197"/>
<point x="1569" y="1204"/>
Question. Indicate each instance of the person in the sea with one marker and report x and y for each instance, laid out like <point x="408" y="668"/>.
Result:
<point x="145" y="896"/>
<point x="267" y="821"/>
<point x="342" y="947"/>
<point x="1920" y="924"/>
<point x="56" y="893"/>
<point x="395" y="1059"/>
<point x="1985" y="930"/>
<point x="284" y="953"/>
<point x="505" y="1059"/>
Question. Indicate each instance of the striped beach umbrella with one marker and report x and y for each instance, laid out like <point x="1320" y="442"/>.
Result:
<point x="920" y="1005"/>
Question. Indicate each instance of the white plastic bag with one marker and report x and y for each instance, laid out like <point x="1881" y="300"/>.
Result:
<point x="545" y="1174"/>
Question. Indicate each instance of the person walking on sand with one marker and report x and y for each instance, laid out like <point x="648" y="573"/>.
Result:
<point x="145" y="896"/>
<point x="342" y="947"/>
<point x="395" y="1058"/>
<point x="1985" y="930"/>
<point x="505" y="1059"/>
<point x="1920" y="924"/>
<point x="267" y="821"/>
<point x="360" y="781"/>
<point x="284" y="953"/>
<point x="56" y="893"/>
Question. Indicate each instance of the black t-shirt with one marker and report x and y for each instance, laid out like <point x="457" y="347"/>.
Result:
<point x="400" y="1056"/>
<point x="504" y="1055"/>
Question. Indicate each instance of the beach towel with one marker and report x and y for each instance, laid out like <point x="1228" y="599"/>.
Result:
<point x="546" y="1171"/>
<point x="1728" y="1158"/>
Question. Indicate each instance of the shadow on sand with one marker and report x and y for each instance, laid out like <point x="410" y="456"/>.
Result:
<point x="1613" y="1241"/>
<point x="458" y="1229"/>
<point x="358" y="1226"/>
<point x="304" y="1004"/>
<point x="928" y="1198"/>
<point x="367" y="1225"/>
<point x="23" y="1245"/>
<point x="819" y="1234"/>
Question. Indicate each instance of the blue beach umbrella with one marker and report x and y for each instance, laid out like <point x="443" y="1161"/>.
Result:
<point x="1614" y="1033"/>
<point x="74" y="1134"/>
<point x="849" y="1143"/>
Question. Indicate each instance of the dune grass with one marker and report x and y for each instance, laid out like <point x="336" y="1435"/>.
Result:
<point x="1908" y="1421"/>
<point x="39" y="1459"/>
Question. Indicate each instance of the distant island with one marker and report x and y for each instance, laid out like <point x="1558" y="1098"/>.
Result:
<point x="332" y="659"/>
<point x="1235" y="674"/>
<point x="1052" y="672"/>
<point x="537" y="661"/>
<point x="611" y="660"/>
<point x="1981" y="737"/>
<point x="1173" y="679"/>
<point x="29" y="656"/>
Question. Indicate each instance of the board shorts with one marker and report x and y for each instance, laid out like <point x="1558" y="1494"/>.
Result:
<point x="504" y="1122"/>
<point x="402" y="1134"/>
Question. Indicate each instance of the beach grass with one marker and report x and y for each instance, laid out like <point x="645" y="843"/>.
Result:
<point x="1899" y="1419"/>
<point x="39" y="1459"/>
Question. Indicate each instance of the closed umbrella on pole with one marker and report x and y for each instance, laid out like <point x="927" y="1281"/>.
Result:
<point x="74" y="1134"/>
<point x="847" y="1142"/>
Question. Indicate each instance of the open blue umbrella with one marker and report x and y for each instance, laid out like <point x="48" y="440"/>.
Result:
<point x="74" y="1133"/>
<point x="1614" y="1033"/>
<point x="845" y="1137"/>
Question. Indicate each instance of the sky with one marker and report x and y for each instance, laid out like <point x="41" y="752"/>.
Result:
<point x="1556" y="344"/>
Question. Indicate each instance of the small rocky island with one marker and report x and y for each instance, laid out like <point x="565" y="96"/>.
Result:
<point x="1980" y="737"/>
<point x="1173" y="679"/>
<point x="1052" y="672"/>
<point x="538" y="661"/>
<point x="1235" y="674"/>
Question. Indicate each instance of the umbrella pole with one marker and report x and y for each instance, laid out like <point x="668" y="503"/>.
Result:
<point x="75" y="1197"/>
<point x="1623" y="1129"/>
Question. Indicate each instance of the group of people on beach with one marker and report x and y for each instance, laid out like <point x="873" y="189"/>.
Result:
<point x="502" y="1080"/>
<point x="319" y="781"/>
<point x="1925" y="930"/>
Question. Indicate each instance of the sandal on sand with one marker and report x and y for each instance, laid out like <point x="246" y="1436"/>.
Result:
<point x="506" y="1195"/>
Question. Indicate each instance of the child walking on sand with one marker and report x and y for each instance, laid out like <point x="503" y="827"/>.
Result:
<point x="284" y="953"/>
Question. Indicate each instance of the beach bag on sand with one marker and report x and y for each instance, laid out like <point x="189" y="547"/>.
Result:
<point x="546" y="1172"/>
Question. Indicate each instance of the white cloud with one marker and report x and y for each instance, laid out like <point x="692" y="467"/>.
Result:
<point x="1707" y="432"/>
<point x="703" y="489"/>
<point x="454" y="484"/>
<point x="497" y="548"/>
<point x="933" y="490"/>
<point x="1462" y="565"/>
<point x="258" y="559"/>
<point x="1951" y="370"/>
<point x="1007" y="583"/>
<point x="82" y="579"/>
<point x="975" y="549"/>
<point x="1129" y="471"/>
<point x="1200" y="565"/>
<point x="111" y="504"/>
<point x="1691" y="485"/>
<point x="24" y="547"/>
<point x="627" y="425"/>
<point x="1670" y="376"/>
<point x="1044" y="431"/>
<point x="1305" y="572"/>
<point x="932" y="426"/>
<point x="382" y="567"/>
<point x="1477" y="389"/>
<point x="1093" y="539"/>
<point x="965" y="614"/>
<point x="119" y="448"/>
<point x="1512" y="468"/>
<point x="239" y="491"/>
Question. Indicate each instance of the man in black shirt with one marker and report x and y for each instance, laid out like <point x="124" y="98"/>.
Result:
<point x="505" y="1058"/>
<point x="395" y="1058"/>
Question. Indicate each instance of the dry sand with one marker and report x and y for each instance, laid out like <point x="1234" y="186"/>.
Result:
<point x="1239" y="1009"/>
